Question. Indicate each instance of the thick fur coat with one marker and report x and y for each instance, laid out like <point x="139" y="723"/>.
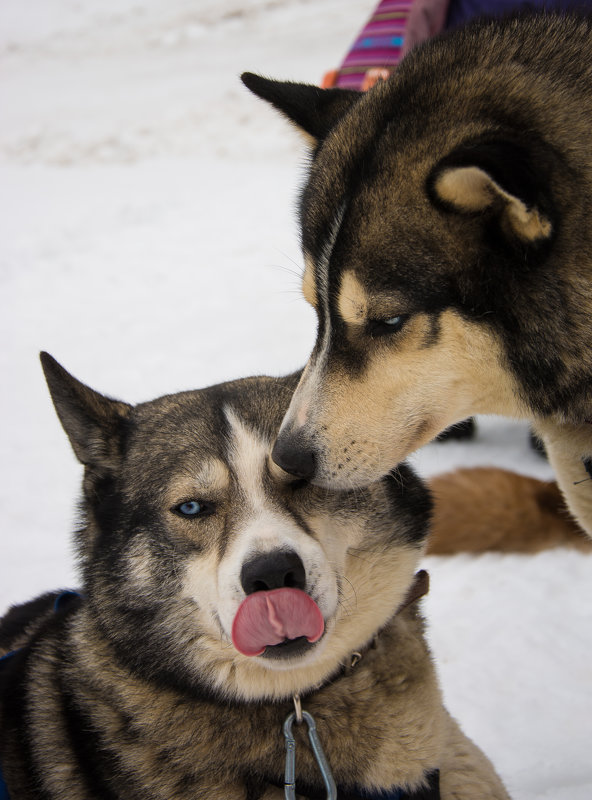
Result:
<point x="139" y="689"/>
<point x="447" y="239"/>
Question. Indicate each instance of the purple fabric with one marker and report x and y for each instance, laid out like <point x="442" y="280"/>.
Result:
<point x="426" y="19"/>
<point x="378" y="44"/>
<point x="382" y="40"/>
<point x="462" y="11"/>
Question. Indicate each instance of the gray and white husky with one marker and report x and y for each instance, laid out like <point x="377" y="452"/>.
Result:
<point x="219" y="598"/>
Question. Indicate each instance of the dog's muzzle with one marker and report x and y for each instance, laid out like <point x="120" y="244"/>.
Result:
<point x="277" y="618"/>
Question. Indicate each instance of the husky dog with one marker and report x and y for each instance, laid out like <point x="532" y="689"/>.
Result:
<point x="215" y="589"/>
<point x="448" y="252"/>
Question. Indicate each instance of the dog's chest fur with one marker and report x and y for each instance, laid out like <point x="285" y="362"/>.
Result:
<point x="128" y="733"/>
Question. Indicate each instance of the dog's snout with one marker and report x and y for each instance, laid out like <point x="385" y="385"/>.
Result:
<point x="277" y="570"/>
<point x="293" y="454"/>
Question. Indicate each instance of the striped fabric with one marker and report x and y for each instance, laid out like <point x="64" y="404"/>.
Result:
<point x="376" y="50"/>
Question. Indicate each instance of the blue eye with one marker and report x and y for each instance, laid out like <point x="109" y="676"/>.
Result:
<point x="191" y="508"/>
<point x="381" y="327"/>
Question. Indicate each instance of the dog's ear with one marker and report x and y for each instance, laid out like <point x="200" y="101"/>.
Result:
<point x="94" y="424"/>
<point x="496" y="176"/>
<point x="313" y="110"/>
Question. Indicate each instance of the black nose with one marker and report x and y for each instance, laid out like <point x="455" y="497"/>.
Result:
<point x="294" y="455"/>
<point x="276" y="570"/>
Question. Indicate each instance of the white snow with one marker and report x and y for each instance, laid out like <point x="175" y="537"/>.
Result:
<point x="149" y="242"/>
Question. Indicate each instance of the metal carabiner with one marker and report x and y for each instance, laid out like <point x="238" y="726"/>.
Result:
<point x="290" y="772"/>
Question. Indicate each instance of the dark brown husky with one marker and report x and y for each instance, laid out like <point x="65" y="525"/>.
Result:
<point x="448" y="249"/>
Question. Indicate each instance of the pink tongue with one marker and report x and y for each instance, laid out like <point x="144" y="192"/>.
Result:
<point x="268" y="618"/>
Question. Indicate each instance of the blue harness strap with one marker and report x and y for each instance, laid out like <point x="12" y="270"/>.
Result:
<point x="3" y="788"/>
<point x="6" y="658"/>
<point x="62" y="599"/>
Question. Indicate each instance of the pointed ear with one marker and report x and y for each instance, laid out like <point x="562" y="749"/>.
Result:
<point x="496" y="176"/>
<point x="94" y="424"/>
<point x="313" y="110"/>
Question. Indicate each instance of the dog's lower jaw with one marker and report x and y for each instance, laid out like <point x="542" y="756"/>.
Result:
<point x="288" y="649"/>
<point x="259" y="678"/>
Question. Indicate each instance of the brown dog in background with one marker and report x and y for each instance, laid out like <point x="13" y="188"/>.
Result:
<point x="484" y="509"/>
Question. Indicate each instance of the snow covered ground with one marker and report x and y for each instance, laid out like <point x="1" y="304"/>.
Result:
<point x="149" y="243"/>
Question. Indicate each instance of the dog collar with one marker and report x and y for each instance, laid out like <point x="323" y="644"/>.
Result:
<point x="418" y="589"/>
<point x="429" y="791"/>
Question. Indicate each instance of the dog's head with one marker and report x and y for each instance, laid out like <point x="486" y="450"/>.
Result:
<point x="204" y="565"/>
<point x="431" y="225"/>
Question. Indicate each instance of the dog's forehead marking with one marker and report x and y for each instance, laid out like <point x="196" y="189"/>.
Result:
<point x="247" y="456"/>
<point x="352" y="300"/>
<point x="356" y="304"/>
<point x="352" y="305"/>
<point x="316" y="291"/>
<point x="211" y="477"/>
<point x="304" y="397"/>
<point x="315" y="279"/>
<point x="316" y="286"/>
<point x="326" y="250"/>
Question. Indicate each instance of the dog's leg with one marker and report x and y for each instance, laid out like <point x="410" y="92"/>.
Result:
<point x="569" y="448"/>
<point x="465" y="772"/>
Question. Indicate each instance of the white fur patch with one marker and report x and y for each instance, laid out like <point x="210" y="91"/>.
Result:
<point x="257" y="526"/>
<point x="322" y="269"/>
<point x="303" y="399"/>
<point x="247" y="458"/>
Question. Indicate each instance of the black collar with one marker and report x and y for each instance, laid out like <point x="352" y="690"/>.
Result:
<point x="431" y="791"/>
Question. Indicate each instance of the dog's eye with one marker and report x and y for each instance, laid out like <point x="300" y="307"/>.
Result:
<point x="382" y="327"/>
<point x="192" y="508"/>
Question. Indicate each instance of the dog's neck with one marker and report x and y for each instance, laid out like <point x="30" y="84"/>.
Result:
<point x="418" y="589"/>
